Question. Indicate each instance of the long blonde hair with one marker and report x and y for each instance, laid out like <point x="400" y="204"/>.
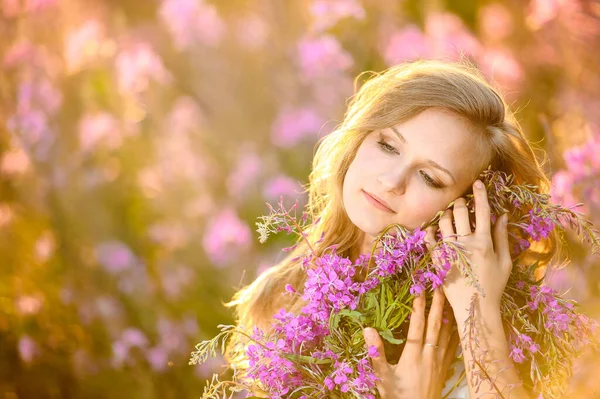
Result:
<point x="387" y="99"/>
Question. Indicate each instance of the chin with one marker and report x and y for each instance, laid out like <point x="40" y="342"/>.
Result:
<point x="365" y="222"/>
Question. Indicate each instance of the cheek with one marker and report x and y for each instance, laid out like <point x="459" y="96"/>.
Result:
<point x="421" y="209"/>
<point x="359" y="169"/>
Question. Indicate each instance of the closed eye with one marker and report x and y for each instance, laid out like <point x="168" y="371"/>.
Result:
<point x="430" y="181"/>
<point x="386" y="147"/>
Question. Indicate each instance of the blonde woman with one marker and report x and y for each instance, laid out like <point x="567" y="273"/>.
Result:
<point x="414" y="139"/>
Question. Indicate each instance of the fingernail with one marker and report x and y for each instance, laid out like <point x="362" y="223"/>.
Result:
<point x="478" y="184"/>
<point x="505" y="219"/>
<point x="370" y="334"/>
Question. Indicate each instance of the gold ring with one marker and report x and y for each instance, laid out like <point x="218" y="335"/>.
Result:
<point x="432" y="345"/>
<point x="463" y="235"/>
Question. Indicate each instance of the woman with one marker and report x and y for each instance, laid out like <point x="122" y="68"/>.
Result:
<point x="414" y="139"/>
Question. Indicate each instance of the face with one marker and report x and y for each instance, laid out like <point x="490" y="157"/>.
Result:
<point x="417" y="168"/>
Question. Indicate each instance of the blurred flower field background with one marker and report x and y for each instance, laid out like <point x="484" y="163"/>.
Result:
<point x="141" y="139"/>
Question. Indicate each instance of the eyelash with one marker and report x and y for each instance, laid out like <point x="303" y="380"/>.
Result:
<point x="426" y="178"/>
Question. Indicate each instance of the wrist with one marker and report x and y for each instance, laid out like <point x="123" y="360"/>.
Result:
<point x="484" y="312"/>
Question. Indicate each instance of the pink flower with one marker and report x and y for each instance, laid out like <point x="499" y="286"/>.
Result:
<point x="158" y="358"/>
<point x="85" y="45"/>
<point x="98" y="129"/>
<point x="191" y="22"/>
<point x="281" y="185"/>
<point x="226" y="236"/>
<point x="501" y="65"/>
<point x="137" y="66"/>
<point x="28" y="304"/>
<point x="406" y="44"/>
<point x="373" y="352"/>
<point x="294" y="124"/>
<point x="252" y="32"/>
<point x="322" y="56"/>
<point x="495" y="22"/>
<point x="327" y="13"/>
<point x="448" y="36"/>
<point x="115" y="256"/>
<point x="244" y="174"/>
<point x="28" y="348"/>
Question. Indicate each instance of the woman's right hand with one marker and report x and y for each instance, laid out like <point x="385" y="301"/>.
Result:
<point x="426" y="358"/>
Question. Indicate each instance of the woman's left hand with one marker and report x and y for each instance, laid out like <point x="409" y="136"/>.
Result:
<point x="490" y="257"/>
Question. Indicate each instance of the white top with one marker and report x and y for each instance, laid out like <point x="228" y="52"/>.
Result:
<point x="461" y="391"/>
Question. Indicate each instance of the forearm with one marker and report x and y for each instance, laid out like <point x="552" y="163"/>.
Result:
<point x="486" y="355"/>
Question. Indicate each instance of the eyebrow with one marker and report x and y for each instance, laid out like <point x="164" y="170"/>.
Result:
<point x="429" y="161"/>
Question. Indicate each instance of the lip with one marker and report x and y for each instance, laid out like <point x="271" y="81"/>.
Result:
<point x="378" y="202"/>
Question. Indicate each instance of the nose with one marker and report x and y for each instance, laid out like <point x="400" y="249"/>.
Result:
<point x="394" y="180"/>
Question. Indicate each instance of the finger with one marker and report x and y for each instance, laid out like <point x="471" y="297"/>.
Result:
<point x="501" y="245"/>
<point x="446" y="226"/>
<point x="416" y="327"/>
<point x="430" y="237"/>
<point x="434" y="320"/>
<point x="461" y="217"/>
<point x="482" y="209"/>
<point x="445" y="333"/>
<point x="380" y="364"/>
<point x="450" y="354"/>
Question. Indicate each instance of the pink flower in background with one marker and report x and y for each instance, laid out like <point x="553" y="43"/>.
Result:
<point x="541" y="12"/>
<point x="120" y="353"/>
<point x="205" y="370"/>
<point x="14" y="162"/>
<point x="158" y="358"/>
<point x="170" y="234"/>
<point x="281" y="185"/>
<point x="578" y="183"/>
<point x="330" y="94"/>
<point x="19" y="53"/>
<point x="133" y="337"/>
<point x="569" y="281"/>
<point x="225" y="237"/>
<point x="322" y="56"/>
<point x="109" y="308"/>
<point x="10" y="8"/>
<point x="38" y="5"/>
<point x="171" y="335"/>
<point x="130" y="338"/>
<point x="294" y="124"/>
<point x="562" y="189"/>
<point x="28" y="349"/>
<point x="115" y="256"/>
<point x="448" y="36"/>
<point x="252" y="32"/>
<point x="495" y="22"/>
<point x="137" y="66"/>
<point x="191" y="22"/>
<point x="83" y="363"/>
<point x="582" y="161"/>
<point x="28" y="304"/>
<point x="175" y="279"/>
<point x="86" y="44"/>
<point x="501" y="65"/>
<point x="38" y="94"/>
<point x="185" y="117"/>
<point x="190" y="325"/>
<point x="244" y="174"/>
<point x="99" y="129"/>
<point x="406" y="44"/>
<point x="327" y="13"/>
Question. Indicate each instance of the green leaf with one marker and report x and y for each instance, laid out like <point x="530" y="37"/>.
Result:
<point x="307" y="359"/>
<point x="389" y="337"/>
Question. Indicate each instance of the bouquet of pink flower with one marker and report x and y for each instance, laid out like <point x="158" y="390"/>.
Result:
<point x="320" y="352"/>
